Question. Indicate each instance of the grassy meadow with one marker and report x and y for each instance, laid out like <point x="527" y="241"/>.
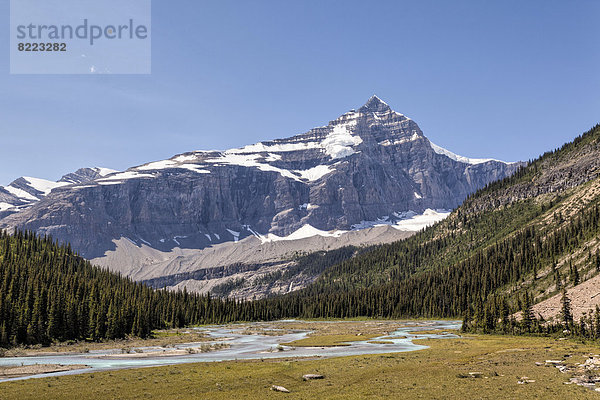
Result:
<point x="477" y="367"/>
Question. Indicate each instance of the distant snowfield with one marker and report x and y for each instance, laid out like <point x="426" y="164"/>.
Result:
<point x="104" y="171"/>
<point x="305" y="232"/>
<point x="43" y="185"/>
<point x="315" y="173"/>
<point x="408" y="220"/>
<point x="418" y="222"/>
<point x="141" y="261"/>
<point x="20" y="193"/>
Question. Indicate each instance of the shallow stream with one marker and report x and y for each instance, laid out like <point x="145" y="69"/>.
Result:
<point x="241" y="347"/>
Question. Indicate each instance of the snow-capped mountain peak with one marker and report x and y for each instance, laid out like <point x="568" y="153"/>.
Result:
<point x="26" y="191"/>
<point x="365" y="164"/>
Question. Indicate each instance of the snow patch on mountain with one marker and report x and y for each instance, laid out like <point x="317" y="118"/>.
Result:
<point x="456" y="157"/>
<point x="104" y="171"/>
<point x="339" y="143"/>
<point x="185" y="157"/>
<point x="106" y="183"/>
<point x="304" y="232"/>
<point x="255" y="160"/>
<point x="235" y="234"/>
<point x="157" y="165"/>
<point x="272" y="157"/>
<point x="174" y="163"/>
<point x="418" y="222"/>
<point x="307" y="206"/>
<point x="42" y="185"/>
<point x="124" y="176"/>
<point x="250" y="160"/>
<point x="194" y="168"/>
<point x="395" y="142"/>
<point x="407" y="220"/>
<point x="5" y="206"/>
<point x="20" y="193"/>
<point x="315" y="173"/>
<point x="178" y="237"/>
<point x="271" y="147"/>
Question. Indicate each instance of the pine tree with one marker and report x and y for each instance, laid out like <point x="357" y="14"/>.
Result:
<point x="504" y="315"/>
<point x="597" y="322"/>
<point x="558" y="280"/>
<point x="466" y="320"/>
<point x="566" y="313"/>
<point x="574" y="274"/>
<point x="527" y="312"/>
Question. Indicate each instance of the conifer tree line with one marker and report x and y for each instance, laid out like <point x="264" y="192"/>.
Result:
<point x="48" y="293"/>
<point x="494" y="316"/>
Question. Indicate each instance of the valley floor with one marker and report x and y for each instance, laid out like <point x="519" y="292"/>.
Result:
<point x="473" y="366"/>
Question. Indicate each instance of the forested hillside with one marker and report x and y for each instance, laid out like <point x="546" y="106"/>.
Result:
<point x="535" y="232"/>
<point x="48" y="293"/>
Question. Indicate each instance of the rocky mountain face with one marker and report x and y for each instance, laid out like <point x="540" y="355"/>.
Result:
<point x="84" y="175"/>
<point x="369" y="166"/>
<point x="26" y="191"/>
<point x="30" y="190"/>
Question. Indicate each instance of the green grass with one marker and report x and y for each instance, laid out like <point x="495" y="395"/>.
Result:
<point x="328" y="340"/>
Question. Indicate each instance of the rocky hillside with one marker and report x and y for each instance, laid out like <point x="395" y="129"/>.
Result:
<point x="249" y="268"/>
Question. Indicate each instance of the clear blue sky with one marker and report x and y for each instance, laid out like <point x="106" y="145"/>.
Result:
<point x="506" y="79"/>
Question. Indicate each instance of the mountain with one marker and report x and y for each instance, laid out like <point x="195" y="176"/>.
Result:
<point x="513" y="245"/>
<point x="515" y="242"/>
<point x="369" y="167"/>
<point x="26" y="191"/>
<point x="23" y="192"/>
